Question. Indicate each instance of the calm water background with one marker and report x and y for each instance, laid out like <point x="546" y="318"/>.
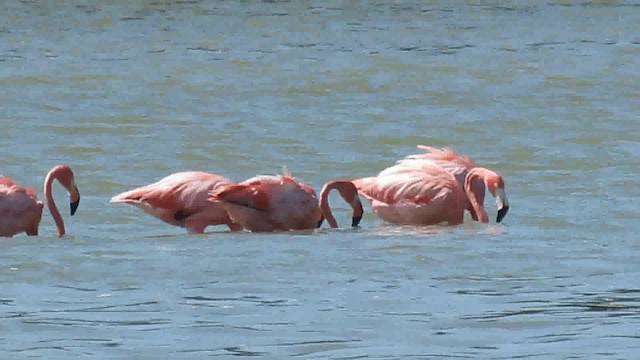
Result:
<point x="547" y="94"/>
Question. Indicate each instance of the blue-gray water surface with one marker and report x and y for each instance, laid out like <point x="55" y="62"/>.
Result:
<point x="127" y="92"/>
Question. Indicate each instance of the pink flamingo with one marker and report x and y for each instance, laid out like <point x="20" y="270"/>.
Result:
<point x="472" y="178"/>
<point x="180" y="199"/>
<point x="415" y="193"/>
<point x="280" y="203"/>
<point x="20" y="210"/>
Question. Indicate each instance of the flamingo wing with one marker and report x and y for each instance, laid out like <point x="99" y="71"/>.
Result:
<point x="444" y="154"/>
<point x="413" y="194"/>
<point x="270" y="203"/>
<point x="410" y="186"/>
<point x="6" y="181"/>
<point x="253" y="194"/>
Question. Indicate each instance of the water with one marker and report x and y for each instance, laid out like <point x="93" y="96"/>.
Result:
<point x="545" y="94"/>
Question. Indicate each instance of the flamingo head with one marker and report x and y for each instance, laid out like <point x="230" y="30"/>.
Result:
<point x="495" y="185"/>
<point x="65" y="176"/>
<point x="350" y="194"/>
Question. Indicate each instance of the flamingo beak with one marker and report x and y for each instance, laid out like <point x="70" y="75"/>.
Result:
<point x="320" y="222"/>
<point x="74" y="204"/>
<point x="502" y="203"/>
<point x="502" y="213"/>
<point x="355" y="220"/>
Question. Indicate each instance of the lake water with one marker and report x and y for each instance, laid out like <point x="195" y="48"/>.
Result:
<point x="546" y="94"/>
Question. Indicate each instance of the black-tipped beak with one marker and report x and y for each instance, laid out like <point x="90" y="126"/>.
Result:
<point x="320" y="222"/>
<point x="74" y="205"/>
<point x="356" y="219"/>
<point x="502" y="213"/>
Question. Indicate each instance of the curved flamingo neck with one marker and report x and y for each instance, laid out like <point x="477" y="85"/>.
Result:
<point x="324" y="204"/>
<point x="51" y="205"/>
<point x="349" y="193"/>
<point x="481" y="213"/>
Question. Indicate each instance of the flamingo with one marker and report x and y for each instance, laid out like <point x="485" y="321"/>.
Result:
<point x="417" y="193"/>
<point x="470" y="177"/>
<point x="180" y="199"/>
<point x="280" y="203"/>
<point x="20" y="210"/>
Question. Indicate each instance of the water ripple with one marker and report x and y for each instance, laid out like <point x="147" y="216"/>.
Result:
<point x="80" y="322"/>
<point x="245" y="299"/>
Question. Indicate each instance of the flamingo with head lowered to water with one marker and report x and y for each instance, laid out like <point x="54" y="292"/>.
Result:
<point x="280" y="203"/>
<point x="180" y="199"/>
<point x="414" y="194"/>
<point x="472" y="178"/>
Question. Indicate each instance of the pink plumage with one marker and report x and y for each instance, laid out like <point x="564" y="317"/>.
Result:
<point x="414" y="194"/>
<point x="20" y="209"/>
<point x="472" y="178"/>
<point x="280" y="203"/>
<point x="180" y="199"/>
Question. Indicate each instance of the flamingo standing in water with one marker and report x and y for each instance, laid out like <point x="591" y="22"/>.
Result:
<point x="20" y="210"/>
<point x="180" y="199"/>
<point x="280" y="203"/>
<point x="417" y="193"/>
<point x="472" y="178"/>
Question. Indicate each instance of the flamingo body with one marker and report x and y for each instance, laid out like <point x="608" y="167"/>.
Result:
<point x="280" y="203"/>
<point x="270" y="203"/>
<point x="414" y="194"/>
<point x="20" y="209"/>
<point x="180" y="199"/>
<point x="472" y="178"/>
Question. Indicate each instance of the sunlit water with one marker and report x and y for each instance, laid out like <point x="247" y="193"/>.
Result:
<point x="546" y="94"/>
